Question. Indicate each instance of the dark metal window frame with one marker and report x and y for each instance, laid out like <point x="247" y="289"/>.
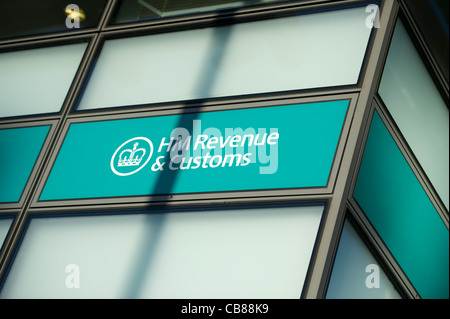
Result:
<point x="338" y="193"/>
<point x="373" y="239"/>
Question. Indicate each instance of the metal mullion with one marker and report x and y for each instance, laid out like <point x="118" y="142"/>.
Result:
<point x="44" y="42"/>
<point x="80" y="76"/>
<point x="25" y="119"/>
<point x="262" y="98"/>
<point x="169" y="199"/>
<point x="48" y="38"/>
<point x="107" y="14"/>
<point x="333" y="225"/>
<point x="366" y="226"/>
<point x="222" y="104"/>
<point x="10" y="243"/>
<point x="212" y="201"/>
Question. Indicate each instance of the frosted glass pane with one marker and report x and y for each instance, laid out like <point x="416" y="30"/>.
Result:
<point x="242" y="253"/>
<point x="37" y="80"/>
<point x="418" y="109"/>
<point x="356" y="273"/>
<point x="5" y="223"/>
<point x="299" y="52"/>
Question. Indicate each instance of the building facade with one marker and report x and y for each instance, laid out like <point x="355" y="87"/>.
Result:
<point x="224" y="149"/>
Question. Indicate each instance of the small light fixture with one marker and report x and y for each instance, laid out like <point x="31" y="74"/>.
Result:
<point x="75" y="14"/>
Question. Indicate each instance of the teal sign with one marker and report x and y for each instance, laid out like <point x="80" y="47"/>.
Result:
<point x="19" y="149"/>
<point x="275" y="147"/>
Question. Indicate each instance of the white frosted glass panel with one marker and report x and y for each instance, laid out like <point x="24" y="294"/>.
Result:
<point x="4" y="228"/>
<point x="418" y="109"/>
<point x="244" y="253"/>
<point x="37" y="80"/>
<point x="300" y="52"/>
<point x="355" y="271"/>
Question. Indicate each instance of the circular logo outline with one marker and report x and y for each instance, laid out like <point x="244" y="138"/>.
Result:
<point x="141" y="166"/>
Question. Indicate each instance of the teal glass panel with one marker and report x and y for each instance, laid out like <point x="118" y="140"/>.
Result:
<point x="248" y="253"/>
<point x="257" y="148"/>
<point x="356" y="273"/>
<point x="19" y="149"/>
<point x="291" y="53"/>
<point x="401" y="212"/>
<point x="418" y="109"/>
<point x="37" y="81"/>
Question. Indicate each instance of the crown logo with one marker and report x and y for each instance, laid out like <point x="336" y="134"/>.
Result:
<point x="132" y="157"/>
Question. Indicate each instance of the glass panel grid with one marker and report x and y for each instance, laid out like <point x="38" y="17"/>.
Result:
<point x="5" y="224"/>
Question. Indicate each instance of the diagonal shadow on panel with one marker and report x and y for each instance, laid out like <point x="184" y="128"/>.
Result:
<point x="166" y="180"/>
